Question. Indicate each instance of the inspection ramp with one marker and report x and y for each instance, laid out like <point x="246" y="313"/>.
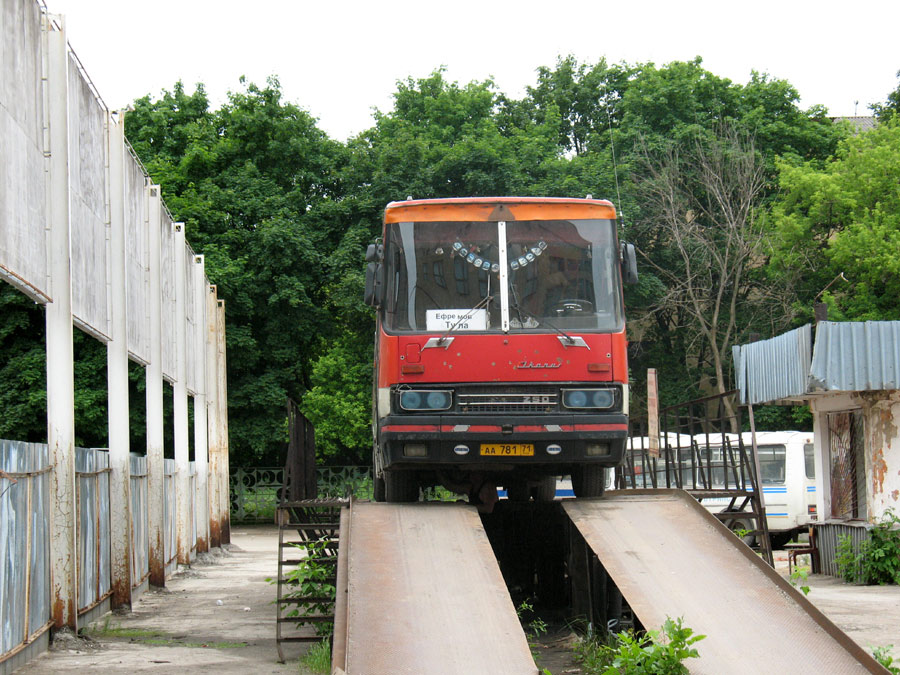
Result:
<point x="671" y="558"/>
<point x="420" y="592"/>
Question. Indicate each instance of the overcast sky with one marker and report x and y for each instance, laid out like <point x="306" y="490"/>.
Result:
<point x="339" y="60"/>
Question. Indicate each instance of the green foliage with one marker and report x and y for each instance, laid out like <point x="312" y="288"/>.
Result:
<point x="311" y="582"/>
<point x="247" y="179"/>
<point x="888" y="110"/>
<point x="883" y="656"/>
<point x="663" y="651"/>
<point x="843" y="218"/>
<point x="23" y="368"/>
<point x="534" y="625"/>
<point x="877" y="560"/>
<point x="339" y="404"/>
<point x="799" y="576"/>
<point x="781" y="418"/>
<point x="847" y="560"/>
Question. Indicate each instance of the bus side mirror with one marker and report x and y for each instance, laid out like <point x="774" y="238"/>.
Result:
<point x="374" y="293"/>
<point x="629" y="264"/>
<point x="375" y="253"/>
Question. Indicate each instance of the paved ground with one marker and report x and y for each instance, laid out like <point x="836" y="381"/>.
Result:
<point x="870" y="615"/>
<point x="183" y="626"/>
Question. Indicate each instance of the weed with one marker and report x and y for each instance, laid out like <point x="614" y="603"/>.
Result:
<point x="310" y="581"/>
<point x="317" y="659"/>
<point x="883" y="656"/>
<point x="799" y="575"/>
<point x="536" y="626"/>
<point x="877" y="561"/>
<point x="630" y="653"/>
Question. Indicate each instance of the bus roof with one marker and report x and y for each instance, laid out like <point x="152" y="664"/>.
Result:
<point x="492" y="209"/>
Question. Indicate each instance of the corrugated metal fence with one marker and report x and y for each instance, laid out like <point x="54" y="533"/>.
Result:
<point x="25" y="538"/>
<point x="24" y="543"/>
<point x="829" y="535"/>
<point x="92" y="503"/>
<point x="140" y="536"/>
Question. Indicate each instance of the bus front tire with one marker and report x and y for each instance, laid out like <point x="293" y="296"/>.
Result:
<point x="589" y="481"/>
<point x="545" y="490"/>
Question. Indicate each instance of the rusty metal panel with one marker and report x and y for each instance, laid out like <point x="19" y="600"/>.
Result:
<point x="769" y="370"/>
<point x="856" y="356"/>
<point x="24" y="542"/>
<point x="426" y="595"/>
<point x="170" y="543"/>
<point x="140" y="536"/>
<point x="93" y="540"/>
<point x="192" y="499"/>
<point x="670" y="558"/>
<point x="829" y="535"/>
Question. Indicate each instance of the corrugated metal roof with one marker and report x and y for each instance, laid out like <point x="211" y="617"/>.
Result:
<point x="856" y="356"/>
<point x="858" y="122"/>
<point x="847" y="356"/>
<point x="773" y="369"/>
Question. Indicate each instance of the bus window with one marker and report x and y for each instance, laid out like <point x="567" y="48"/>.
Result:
<point x="771" y="463"/>
<point x="809" y="460"/>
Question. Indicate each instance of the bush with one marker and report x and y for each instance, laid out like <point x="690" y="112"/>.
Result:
<point x="629" y="653"/>
<point x="878" y="559"/>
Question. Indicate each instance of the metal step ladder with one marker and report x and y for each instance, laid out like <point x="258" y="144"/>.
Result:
<point x="308" y="541"/>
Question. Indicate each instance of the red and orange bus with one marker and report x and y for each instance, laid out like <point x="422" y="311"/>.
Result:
<point x="500" y="348"/>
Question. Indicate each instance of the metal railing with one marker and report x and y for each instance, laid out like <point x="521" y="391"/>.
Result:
<point x="702" y="450"/>
<point x="257" y="492"/>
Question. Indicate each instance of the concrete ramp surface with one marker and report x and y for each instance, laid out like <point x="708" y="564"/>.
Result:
<point x="425" y="595"/>
<point x="670" y="558"/>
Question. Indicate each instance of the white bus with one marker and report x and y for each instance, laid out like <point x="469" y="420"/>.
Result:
<point x="787" y="476"/>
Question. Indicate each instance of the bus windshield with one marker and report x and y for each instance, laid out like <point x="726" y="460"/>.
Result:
<point x="446" y="275"/>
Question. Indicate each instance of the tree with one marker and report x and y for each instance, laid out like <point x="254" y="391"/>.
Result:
<point x="702" y="201"/>
<point x="245" y="180"/>
<point x="844" y="218"/>
<point x="888" y="110"/>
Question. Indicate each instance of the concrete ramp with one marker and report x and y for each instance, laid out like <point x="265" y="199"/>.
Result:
<point x="422" y="593"/>
<point x="670" y="558"/>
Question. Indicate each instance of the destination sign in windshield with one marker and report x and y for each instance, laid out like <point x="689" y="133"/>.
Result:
<point x="458" y="319"/>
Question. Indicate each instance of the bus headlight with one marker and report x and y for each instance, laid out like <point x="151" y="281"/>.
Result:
<point x="420" y="399"/>
<point x="589" y="399"/>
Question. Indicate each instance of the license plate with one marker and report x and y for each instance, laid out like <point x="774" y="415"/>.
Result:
<point x="507" y="449"/>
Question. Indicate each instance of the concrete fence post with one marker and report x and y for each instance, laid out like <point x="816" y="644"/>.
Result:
<point x="117" y="377"/>
<point x="201" y="450"/>
<point x="154" y="391"/>
<point x="212" y="418"/>
<point x="222" y="398"/>
<point x="60" y="352"/>
<point x="180" y="413"/>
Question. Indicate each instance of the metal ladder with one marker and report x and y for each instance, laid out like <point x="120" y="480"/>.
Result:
<point x="306" y="570"/>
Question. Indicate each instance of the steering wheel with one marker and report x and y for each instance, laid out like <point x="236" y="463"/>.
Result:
<point x="572" y="306"/>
